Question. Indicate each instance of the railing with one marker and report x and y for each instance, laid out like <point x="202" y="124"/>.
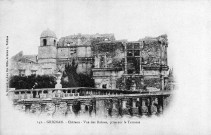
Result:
<point x="92" y="101"/>
<point x="49" y="93"/>
<point x="133" y="104"/>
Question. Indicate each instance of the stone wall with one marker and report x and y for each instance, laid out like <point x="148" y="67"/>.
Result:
<point x="50" y="41"/>
<point x="83" y="39"/>
<point x="109" y="55"/>
<point x="154" y="50"/>
<point x="47" y="52"/>
<point x="15" y="68"/>
<point x="64" y="53"/>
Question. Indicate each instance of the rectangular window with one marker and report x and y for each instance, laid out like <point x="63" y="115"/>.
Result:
<point x="130" y="53"/>
<point x="136" y="46"/>
<point x="129" y="46"/>
<point x="136" y="53"/>
<point x="133" y="65"/>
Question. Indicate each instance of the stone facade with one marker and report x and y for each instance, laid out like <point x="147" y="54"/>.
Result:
<point x="138" y="65"/>
<point x="79" y="47"/>
<point x="116" y="64"/>
<point x="53" y="55"/>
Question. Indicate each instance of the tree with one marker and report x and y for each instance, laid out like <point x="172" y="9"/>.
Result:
<point x="71" y="78"/>
<point x="86" y="80"/>
<point x="32" y="81"/>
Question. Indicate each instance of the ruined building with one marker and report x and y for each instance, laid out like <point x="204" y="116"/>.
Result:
<point x="115" y="64"/>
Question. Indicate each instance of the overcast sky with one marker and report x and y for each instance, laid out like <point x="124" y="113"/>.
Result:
<point x="23" y="21"/>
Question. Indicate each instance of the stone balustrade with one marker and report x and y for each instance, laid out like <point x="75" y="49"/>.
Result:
<point x="49" y="93"/>
<point x="146" y="104"/>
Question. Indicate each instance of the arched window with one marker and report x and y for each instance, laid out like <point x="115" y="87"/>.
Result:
<point x="44" y="42"/>
<point x="54" y="42"/>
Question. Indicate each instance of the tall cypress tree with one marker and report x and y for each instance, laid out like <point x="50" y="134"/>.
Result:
<point x="71" y="78"/>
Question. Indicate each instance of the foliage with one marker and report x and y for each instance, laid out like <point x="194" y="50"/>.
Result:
<point x="32" y="81"/>
<point x="71" y="78"/>
<point x="120" y="83"/>
<point x="139" y="84"/>
<point x="153" y="82"/>
<point x="86" y="81"/>
<point x="117" y="64"/>
<point x="151" y="54"/>
<point x="126" y="85"/>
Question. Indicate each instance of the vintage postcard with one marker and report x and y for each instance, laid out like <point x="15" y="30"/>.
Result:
<point x="104" y="67"/>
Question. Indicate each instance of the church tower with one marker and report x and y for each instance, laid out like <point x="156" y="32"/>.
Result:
<point x="47" y="52"/>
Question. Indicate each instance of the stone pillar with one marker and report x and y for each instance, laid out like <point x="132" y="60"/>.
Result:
<point x="130" y="106"/>
<point x="57" y="104"/>
<point x="110" y="107"/>
<point x="162" y="53"/>
<point x="153" y="108"/>
<point x="105" y="61"/>
<point x="42" y="106"/>
<point x="50" y="92"/>
<point x="90" y="109"/>
<point x="57" y="107"/>
<point x="124" y="102"/>
<point x="134" y="102"/>
<point x="42" y="95"/>
<point x="69" y="109"/>
<point x="149" y="105"/>
<point x="97" y="62"/>
<point x="120" y="107"/>
<point x="31" y="95"/>
<point x="166" y="57"/>
<point x="140" y="58"/>
<point x="160" y="104"/>
<point x="94" y="105"/>
<point x="66" y="94"/>
<point x="124" y="106"/>
<point x="162" y="82"/>
<point x="115" y="108"/>
<point x="125" y="46"/>
<point x="144" y="108"/>
<point x="82" y="109"/>
<point x="163" y="102"/>
<point x="27" y="107"/>
<point x="76" y="106"/>
<point x="19" y="95"/>
<point x="25" y="95"/>
<point x="139" y="105"/>
<point x="37" y="94"/>
<point x="134" y="106"/>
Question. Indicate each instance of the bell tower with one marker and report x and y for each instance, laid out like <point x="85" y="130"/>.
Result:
<point x="47" y="51"/>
